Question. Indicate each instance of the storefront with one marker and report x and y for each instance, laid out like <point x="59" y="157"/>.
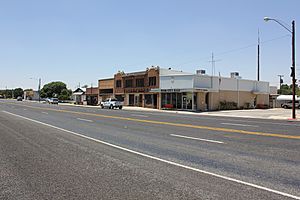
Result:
<point x="148" y="100"/>
<point x="178" y="99"/>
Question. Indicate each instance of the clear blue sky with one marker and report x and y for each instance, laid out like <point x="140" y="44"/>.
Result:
<point x="84" y="40"/>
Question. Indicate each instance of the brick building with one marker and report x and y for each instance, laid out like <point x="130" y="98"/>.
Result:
<point x="135" y="88"/>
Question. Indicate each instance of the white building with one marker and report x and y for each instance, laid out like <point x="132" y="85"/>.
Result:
<point x="181" y="90"/>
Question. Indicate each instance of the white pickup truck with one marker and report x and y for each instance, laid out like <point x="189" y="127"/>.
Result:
<point x="111" y="103"/>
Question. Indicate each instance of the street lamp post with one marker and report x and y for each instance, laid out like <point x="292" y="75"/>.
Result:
<point x="293" y="68"/>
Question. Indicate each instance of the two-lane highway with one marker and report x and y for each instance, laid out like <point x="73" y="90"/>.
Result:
<point x="65" y="152"/>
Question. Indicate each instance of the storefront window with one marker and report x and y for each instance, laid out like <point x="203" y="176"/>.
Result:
<point x="179" y="101"/>
<point x="148" y="100"/>
<point x="189" y="99"/>
<point x="174" y="99"/>
<point x="163" y="100"/>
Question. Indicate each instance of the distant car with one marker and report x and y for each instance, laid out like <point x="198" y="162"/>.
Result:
<point x="19" y="98"/>
<point x="289" y="104"/>
<point x="111" y="103"/>
<point x="52" y="100"/>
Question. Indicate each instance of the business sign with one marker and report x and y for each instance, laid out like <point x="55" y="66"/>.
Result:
<point x="136" y="90"/>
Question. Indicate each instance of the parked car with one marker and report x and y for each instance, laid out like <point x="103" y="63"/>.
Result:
<point x="19" y="98"/>
<point x="111" y="103"/>
<point x="289" y="104"/>
<point x="52" y="100"/>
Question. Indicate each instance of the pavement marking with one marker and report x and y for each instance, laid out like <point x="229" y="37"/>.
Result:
<point x="24" y="109"/>
<point x="173" y="123"/>
<point x="86" y="120"/>
<point x="193" y="138"/>
<point x="239" y="124"/>
<point x="160" y="159"/>
<point x="136" y="115"/>
<point x="45" y="113"/>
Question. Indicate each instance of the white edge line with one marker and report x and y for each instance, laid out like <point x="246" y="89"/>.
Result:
<point x="162" y="160"/>
<point x="136" y="115"/>
<point x="193" y="138"/>
<point x="86" y="120"/>
<point x="239" y="124"/>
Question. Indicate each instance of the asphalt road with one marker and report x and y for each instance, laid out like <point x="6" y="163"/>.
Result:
<point x="65" y="152"/>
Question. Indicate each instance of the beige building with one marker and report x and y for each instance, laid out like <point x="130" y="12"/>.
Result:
<point x="106" y="89"/>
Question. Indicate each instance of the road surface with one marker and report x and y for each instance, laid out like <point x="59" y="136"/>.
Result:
<point x="65" y="152"/>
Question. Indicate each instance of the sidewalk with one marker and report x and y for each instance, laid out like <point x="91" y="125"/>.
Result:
<point x="275" y="113"/>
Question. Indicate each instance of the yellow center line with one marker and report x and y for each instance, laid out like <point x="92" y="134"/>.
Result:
<point x="170" y="123"/>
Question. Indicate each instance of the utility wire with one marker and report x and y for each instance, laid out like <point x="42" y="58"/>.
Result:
<point x="217" y="54"/>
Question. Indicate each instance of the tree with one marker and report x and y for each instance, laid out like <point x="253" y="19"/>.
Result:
<point x="85" y="86"/>
<point x="65" y="94"/>
<point x="18" y="92"/>
<point x="288" y="89"/>
<point x="53" y="89"/>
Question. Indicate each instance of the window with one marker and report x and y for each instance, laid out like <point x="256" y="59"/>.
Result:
<point x="118" y="83"/>
<point x="128" y="83"/>
<point x="139" y="82"/>
<point x="152" y="81"/>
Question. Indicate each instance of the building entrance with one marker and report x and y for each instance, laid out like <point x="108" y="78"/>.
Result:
<point x="182" y="100"/>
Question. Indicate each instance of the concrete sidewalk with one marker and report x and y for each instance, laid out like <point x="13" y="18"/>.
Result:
<point x="275" y="113"/>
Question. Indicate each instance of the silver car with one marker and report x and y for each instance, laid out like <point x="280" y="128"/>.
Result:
<point x="52" y="100"/>
<point x="289" y="104"/>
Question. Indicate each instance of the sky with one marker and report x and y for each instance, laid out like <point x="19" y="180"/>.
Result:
<point x="81" y="41"/>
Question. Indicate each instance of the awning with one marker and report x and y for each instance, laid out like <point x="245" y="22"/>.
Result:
<point x="78" y="93"/>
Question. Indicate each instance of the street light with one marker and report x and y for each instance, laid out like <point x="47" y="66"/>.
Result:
<point x="39" y="88"/>
<point x="293" y="68"/>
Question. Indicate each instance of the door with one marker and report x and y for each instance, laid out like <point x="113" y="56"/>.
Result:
<point x="155" y="100"/>
<point x="184" y="102"/>
<point x="131" y="99"/>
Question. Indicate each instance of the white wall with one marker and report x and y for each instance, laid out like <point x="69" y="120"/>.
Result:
<point x="192" y="81"/>
<point x="203" y="81"/>
<point x="176" y="82"/>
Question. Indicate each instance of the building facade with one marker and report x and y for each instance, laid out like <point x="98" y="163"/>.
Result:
<point x="188" y="91"/>
<point x="135" y="88"/>
<point x="170" y="89"/>
<point x="92" y="95"/>
<point x="105" y="89"/>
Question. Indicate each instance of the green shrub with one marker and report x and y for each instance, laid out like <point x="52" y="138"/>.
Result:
<point x="228" y="105"/>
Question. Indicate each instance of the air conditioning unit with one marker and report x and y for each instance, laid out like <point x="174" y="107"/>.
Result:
<point x="200" y="72"/>
<point x="235" y="75"/>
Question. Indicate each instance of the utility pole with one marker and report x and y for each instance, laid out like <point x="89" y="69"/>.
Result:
<point x="280" y="82"/>
<point x="39" y="89"/>
<point x="293" y="68"/>
<point x="213" y="66"/>
<point x="258" y="57"/>
<point x="92" y="94"/>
